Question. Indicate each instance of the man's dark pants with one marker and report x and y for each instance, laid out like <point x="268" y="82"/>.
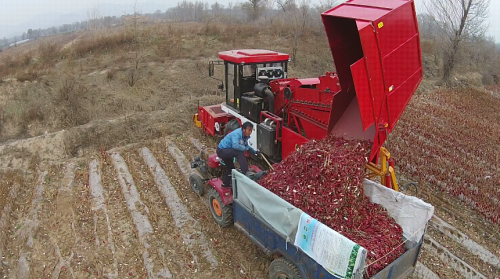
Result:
<point x="227" y="156"/>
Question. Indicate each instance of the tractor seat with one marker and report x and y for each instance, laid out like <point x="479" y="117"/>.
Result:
<point x="214" y="161"/>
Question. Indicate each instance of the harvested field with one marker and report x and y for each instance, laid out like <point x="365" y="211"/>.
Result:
<point x="93" y="169"/>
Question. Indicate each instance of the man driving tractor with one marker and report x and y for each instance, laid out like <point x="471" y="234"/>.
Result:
<point x="234" y="145"/>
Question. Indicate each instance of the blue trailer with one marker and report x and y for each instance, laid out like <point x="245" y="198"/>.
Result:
<point x="268" y="221"/>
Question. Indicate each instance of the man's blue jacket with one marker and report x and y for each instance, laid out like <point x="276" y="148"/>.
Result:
<point x="235" y="140"/>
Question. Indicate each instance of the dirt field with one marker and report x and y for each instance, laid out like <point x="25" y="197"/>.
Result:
<point x="90" y="188"/>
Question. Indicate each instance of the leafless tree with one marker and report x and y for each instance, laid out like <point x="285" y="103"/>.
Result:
<point x="458" y="21"/>
<point x="94" y="16"/>
<point x="139" y="42"/>
<point x="158" y="15"/>
<point x="217" y="10"/>
<point x="189" y="11"/>
<point x="254" y="8"/>
<point x="286" y="5"/>
<point x="327" y="4"/>
<point x="300" y="23"/>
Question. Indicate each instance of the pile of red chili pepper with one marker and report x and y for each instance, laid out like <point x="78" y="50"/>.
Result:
<point x="325" y="180"/>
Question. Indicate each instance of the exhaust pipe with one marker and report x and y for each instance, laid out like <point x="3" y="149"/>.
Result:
<point x="263" y="90"/>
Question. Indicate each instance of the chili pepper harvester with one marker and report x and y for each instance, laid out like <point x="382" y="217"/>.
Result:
<point x="376" y="50"/>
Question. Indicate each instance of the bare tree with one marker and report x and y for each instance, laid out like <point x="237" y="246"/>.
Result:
<point x="254" y="8"/>
<point x="327" y="4"/>
<point x="459" y="21"/>
<point x="296" y="20"/>
<point x="138" y="38"/>
<point x="286" y="5"/>
<point x="158" y="15"/>
<point x="94" y="16"/>
<point x="217" y="10"/>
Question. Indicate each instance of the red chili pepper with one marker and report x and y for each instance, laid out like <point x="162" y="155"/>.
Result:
<point x="325" y="179"/>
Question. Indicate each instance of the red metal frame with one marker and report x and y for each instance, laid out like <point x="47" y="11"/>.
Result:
<point x="225" y="193"/>
<point x="291" y="141"/>
<point x="212" y="161"/>
<point x="209" y="115"/>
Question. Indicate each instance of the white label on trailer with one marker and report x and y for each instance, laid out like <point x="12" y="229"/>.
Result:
<point x="336" y="253"/>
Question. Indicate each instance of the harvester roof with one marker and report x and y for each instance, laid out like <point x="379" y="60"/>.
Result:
<point x="252" y="56"/>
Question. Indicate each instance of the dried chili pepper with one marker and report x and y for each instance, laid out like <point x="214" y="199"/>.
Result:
<point x="325" y="180"/>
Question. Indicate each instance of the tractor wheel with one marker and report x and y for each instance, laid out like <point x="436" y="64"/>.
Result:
<point x="232" y="125"/>
<point x="283" y="269"/>
<point x="196" y="183"/>
<point x="223" y="214"/>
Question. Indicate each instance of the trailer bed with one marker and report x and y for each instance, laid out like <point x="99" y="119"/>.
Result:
<point x="250" y="217"/>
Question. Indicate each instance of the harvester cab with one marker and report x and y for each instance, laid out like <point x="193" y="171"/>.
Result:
<point x="244" y="69"/>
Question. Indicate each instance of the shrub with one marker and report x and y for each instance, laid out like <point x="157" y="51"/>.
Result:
<point x="487" y="79"/>
<point x="101" y="42"/>
<point x="29" y="75"/>
<point x="111" y="74"/>
<point x="48" y="52"/>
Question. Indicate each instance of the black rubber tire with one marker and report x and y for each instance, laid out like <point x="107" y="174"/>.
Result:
<point x="232" y="125"/>
<point x="226" y="217"/>
<point x="283" y="269"/>
<point x="197" y="184"/>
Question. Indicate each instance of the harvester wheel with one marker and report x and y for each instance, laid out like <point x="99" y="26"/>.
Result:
<point x="196" y="183"/>
<point x="283" y="269"/>
<point x="232" y="125"/>
<point x="223" y="214"/>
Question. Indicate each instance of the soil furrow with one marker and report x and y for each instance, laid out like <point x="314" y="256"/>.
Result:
<point x="421" y="271"/>
<point x="20" y="206"/>
<point x="180" y="158"/>
<point x="173" y="251"/>
<point x="453" y="261"/>
<point x="139" y="213"/>
<point x="473" y="247"/>
<point x="128" y="249"/>
<point x="238" y="256"/>
<point x="463" y="253"/>
<point x="101" y="212"/>
<point x="64" y="238"/>
<point x="191" y="235"/>
<point x="6" y="214"/>
<point x="29" y="226"/>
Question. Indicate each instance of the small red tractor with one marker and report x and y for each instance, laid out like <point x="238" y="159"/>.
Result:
<point x="376" y="49"/>
<point x="212" y="168"/>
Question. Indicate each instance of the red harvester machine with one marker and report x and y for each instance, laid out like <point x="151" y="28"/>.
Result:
<point x="376" y="48"/>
